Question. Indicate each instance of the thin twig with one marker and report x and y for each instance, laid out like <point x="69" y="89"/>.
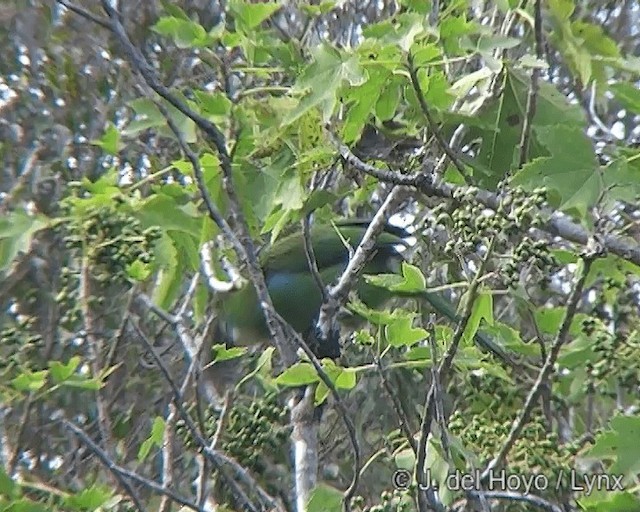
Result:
<point x="216" y="458"/>
<point x="440" y="419"/>
<point x="546" y="370"/>
<point x="27" y="169"/>
<point x="94" y="346"/>
<point x="433" y="126"/>
<point x="530" y="499"/>
<point x="85" y="14"/>
<point x="443" y="369"/>
<point x="403" y="418"/>
<point x="121" y="474"/>
<point x="530" y="111"/>
<point x="553" y="222"/>
<point x="311" y="258"/>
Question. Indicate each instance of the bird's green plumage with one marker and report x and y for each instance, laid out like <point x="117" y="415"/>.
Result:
<point x="295" y="293"/>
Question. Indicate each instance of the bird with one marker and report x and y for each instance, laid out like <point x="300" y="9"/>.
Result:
<point x="296" y="294"/>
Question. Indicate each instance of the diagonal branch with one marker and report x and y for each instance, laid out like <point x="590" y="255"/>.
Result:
<point x="547" y="368"/>
<point x="553" y="222"/>
<point x="433" y="126"/>
<point x="122" y="474"/>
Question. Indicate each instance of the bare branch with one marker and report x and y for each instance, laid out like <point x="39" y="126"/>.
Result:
<point x="433" y="126"/>
<point x="532" y="97"/>
<point x="122" y="474"/>
<point x="547" y="368"/>
<point x="443" y="369"/>
<point x="553" y="222"/>
<point x="530" y="499"/>
<point x="217" y="459"/>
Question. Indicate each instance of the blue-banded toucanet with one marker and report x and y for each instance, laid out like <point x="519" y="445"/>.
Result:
<point x="296" y="295"/>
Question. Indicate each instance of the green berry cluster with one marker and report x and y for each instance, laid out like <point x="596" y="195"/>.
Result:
<point x="488" y="392"/>
<point x="252" y="431"/>
<point x="209" y="427"/>
<point x="472" y="223"/>
<point x="520" y="208"/>
<point x="485" y="418"/>
<point x="256" y="430"/>
<point x="390" y="501"/>
<point x="618" y="360"/>
<point x="112" y="239"/>
<point x="67" y="297"/>
<point x="532" y="253"/>
<point x="535" y="451"/>
<point x="18" y="344"/>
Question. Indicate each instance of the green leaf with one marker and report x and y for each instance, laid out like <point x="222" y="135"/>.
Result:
<point x="26" y="505"/>
<point x="454" y="31"/>
<point x="17" y="229"/>
<point x="501" y="121"/>
<point x="89" y="499"/>
<point x="61" y="372"/>
<point x="200" y="301"/>
<point x="571" y="171"/>
<point x="467" y="82"/>
<point x="363" y="98"/>
<point x="110" y="141"/>
<point x="185" y="33"/>
<point x="412" y="280"/>
<point x="425" y="52"/>
<point x="325" y="499"/>
<point x="263" y="366"/>
<point x="30" y="381"/>
<point x="482" y="310"/>
<point x="620" y="444"/>
<point x="222" y="353"/>
<point x="373" y="316"/>
<point x="491" y="42"/>
<point x="299" y="374"/>
<point x="317" y="200"/>
<point x="164" y="211"/>
<point x="316" y="10"/>
<point x="8" y="487"/>
<point x="347" y="379"/>
<point x="608" y="501"/>
<point x="79" y="382"/>
<point x="342" y="378"/>
<point x="401" y="333"/>
<point x="405" y="459"/>
<point x="249" y="15"/>
<point x="628" y="95"/>
<point x="548" y="319"/>
<point x="511" y="340"/>
<point x="389" y="99"/>
<point x="421" y="354"/>
<point x="167" y="285"/>
<point x="419" y="6"/>
<point x="215" y="104"/>
<point x="138" y="271"/>
<point x="435" y="89"/>
<point x="320" y="81"/>
<point x="363" y="337"/>
<point x="562" y="9"/>
<point x="155" y="438"/>
<point x="147" y="116"/>
<point x="291" y="192"/>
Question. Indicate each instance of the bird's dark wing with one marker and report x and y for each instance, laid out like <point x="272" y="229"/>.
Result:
<point x="331" y="244"/>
